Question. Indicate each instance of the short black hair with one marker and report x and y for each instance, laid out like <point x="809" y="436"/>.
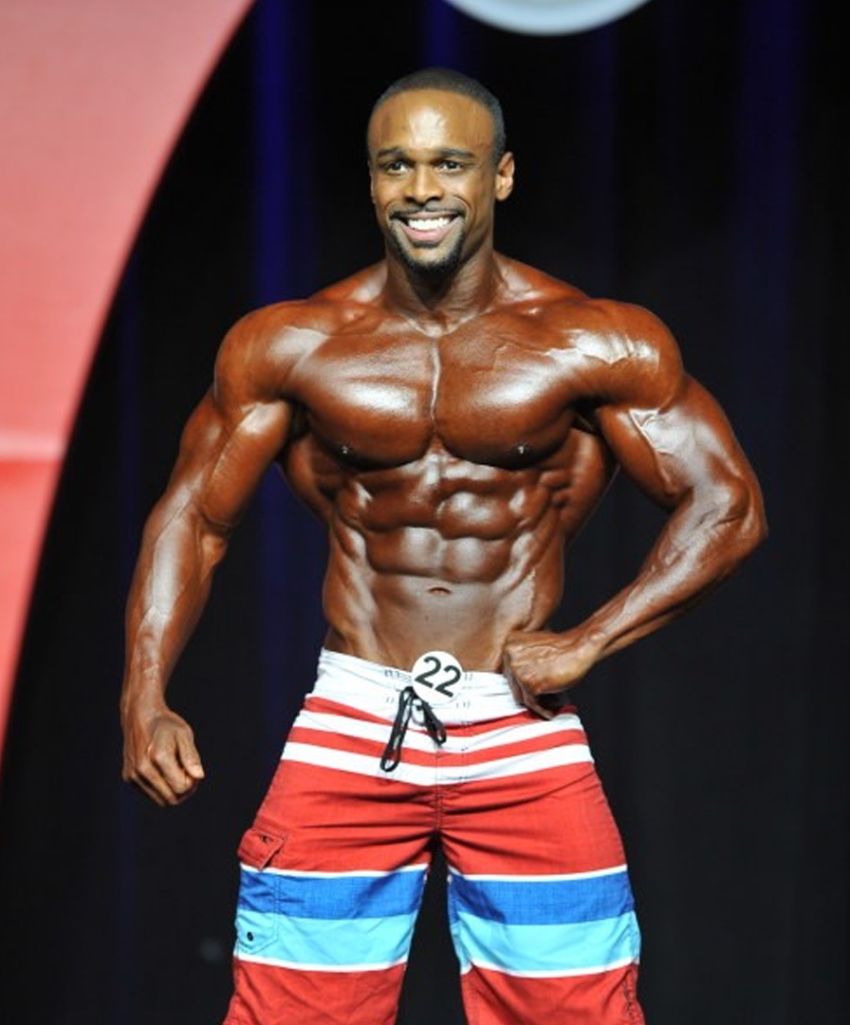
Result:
<point x="450" y="81"/>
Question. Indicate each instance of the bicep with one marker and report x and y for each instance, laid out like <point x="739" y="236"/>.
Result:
<point x="224" y="451"/>
<point x="237" y="429"/>
<point x="684" y="447"/>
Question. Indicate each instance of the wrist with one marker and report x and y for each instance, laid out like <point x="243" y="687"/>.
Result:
<point x="141" y="703"/>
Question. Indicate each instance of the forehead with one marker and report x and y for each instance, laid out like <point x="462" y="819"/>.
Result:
<point x="431" y="119"/>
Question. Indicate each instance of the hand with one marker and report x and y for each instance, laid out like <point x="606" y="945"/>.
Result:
<point x="160" y="757"/>
<point x="542" y="666"/>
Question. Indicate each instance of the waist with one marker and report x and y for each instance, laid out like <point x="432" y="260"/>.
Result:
<point x="372" y="687"/>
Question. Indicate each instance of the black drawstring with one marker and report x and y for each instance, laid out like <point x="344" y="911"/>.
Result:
<point x="407" y="701"/>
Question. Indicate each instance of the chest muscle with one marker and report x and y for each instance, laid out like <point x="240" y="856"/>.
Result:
<point x="483" y="400"/>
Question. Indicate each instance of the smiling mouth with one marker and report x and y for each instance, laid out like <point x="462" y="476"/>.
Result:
<point x="426" y="229"/>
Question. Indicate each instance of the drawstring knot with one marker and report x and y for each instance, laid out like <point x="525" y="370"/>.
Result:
<point x="408" y="701"/>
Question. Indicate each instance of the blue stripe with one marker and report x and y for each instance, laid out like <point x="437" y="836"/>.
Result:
<point x="333" y="944"/>
<point x="546" y="948"/>
<point x="543" y="901"/>
<point x="331" y="897"/>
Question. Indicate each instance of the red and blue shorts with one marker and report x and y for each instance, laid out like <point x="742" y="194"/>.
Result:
<point x="334" y="866"/>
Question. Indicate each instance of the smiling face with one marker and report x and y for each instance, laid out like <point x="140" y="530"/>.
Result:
<point x="434" y="178"/>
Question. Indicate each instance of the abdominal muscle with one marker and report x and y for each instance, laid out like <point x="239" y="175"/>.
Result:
<point x="459" y="583"/>
<point x="442" y="552"/>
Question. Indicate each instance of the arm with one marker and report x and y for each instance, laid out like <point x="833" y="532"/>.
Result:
<point x="228" y="443"/>
<point x="673" y="439"/>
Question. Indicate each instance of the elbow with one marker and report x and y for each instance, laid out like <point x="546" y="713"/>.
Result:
<point x="760" y="529"/>
<point x="182" y="529"/>
<point x="743" y="511"/>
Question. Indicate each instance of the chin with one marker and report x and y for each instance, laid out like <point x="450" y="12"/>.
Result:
<point x="431" y="263"/>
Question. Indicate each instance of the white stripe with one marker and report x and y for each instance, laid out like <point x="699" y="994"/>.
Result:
<point x="565" y="877"/>
<point x="551" y="973"/>
<point x="355" y="873"/>
<point x="299" y="966"/>
<point x="527" y="731"/>
<point x="348" y="727"/>
<point x="422" y="775"/>
<point x="419" y="740"/>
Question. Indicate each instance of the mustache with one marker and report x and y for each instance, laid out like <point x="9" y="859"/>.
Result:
<point x="404" y="210"/>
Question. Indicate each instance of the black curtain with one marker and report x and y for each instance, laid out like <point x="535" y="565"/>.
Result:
<point x="690" y="157"/>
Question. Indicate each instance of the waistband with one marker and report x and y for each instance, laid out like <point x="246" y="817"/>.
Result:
<point x="374" y="687"/>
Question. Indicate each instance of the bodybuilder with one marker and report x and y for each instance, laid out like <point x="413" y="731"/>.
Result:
<point x="453" y="417"/>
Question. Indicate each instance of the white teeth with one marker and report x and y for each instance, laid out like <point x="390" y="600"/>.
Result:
<point x="429" y="223"/>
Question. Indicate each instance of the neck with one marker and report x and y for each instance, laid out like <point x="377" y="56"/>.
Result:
<point x="443" y="301"/>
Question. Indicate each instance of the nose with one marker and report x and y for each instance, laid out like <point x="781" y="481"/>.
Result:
<point x="424" y="184"/>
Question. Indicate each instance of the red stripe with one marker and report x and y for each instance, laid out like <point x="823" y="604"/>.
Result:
<point x="266" y="995"/>
<point x="607" y="998"/>
<point x="325" y="705"/>
<point x="372" y="748"/>
<point x="552" y="821"/>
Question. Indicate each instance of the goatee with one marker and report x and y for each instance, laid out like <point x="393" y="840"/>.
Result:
<point x="440" y="268"/>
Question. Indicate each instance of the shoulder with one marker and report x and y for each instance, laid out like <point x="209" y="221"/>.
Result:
<point x="578" y="317"/>
<point x="620" y="351"/>
<point x="614" y="331"/>
<point x="607" y="332"/>
<point x="261" y="346"/>
<point x="260" y="351"/>
<point x="632" y="356"/>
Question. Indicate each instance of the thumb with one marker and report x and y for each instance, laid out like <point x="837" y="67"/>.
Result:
<point x="189" y="756"/>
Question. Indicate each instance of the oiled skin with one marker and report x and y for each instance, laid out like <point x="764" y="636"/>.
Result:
<point x="453" y="430"/>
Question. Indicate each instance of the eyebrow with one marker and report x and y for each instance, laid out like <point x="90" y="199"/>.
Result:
<point x="447" y="151"/>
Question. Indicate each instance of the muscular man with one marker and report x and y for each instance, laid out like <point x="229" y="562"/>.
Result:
<point x="453" y="417"/>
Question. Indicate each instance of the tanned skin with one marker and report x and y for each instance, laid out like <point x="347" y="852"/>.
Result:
<point x="453" y="417"/>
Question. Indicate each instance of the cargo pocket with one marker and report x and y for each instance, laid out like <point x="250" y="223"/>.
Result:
<point x="258" y="913"/>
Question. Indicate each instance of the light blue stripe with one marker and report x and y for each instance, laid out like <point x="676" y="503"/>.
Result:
<point x="544" y="901"/>
<point x="546" y="948"/>
<point x="332" y="944"/>
<point x="331" y="897"/>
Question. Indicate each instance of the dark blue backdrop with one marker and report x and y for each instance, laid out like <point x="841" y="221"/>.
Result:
<point x="692" y="158"/>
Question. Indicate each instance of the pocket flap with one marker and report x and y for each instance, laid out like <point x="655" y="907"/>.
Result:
<point x="258" y="847"/>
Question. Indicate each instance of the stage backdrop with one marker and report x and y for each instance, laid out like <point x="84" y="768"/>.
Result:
<point x="92" y="97"/>
<point x="688" y="157"/>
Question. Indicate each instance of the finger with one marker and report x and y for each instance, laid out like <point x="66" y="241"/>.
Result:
<point x="142" y="784"/>
<point x="163" y="773"/>
<point x="538" y="707"/>
<point x="523" y="694"/>
<point x="517" y="690"/>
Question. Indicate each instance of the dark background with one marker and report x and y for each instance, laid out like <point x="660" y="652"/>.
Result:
<point x="692" y="158"/>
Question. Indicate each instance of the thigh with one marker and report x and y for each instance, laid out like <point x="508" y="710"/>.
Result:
<point x="539" y="899"/>
<point x="332" y="872"/>
<point x="529" y="802"/>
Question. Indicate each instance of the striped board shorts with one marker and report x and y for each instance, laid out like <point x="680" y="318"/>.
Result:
<point x="333" y="868"/>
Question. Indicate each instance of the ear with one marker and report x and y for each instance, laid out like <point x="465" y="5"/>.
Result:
<point x="371" y="180"/>
<point x="505" y="176"/>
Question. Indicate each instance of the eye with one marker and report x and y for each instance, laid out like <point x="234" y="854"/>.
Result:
<point x="394" y="167"/>
<point x="450" y="165"/>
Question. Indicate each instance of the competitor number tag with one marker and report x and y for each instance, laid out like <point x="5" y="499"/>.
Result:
<point x="436" y="676"/>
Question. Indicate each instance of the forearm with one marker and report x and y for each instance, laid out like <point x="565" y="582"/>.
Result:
<point x="170" y="588"/>
<point x="702" y="544"/>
